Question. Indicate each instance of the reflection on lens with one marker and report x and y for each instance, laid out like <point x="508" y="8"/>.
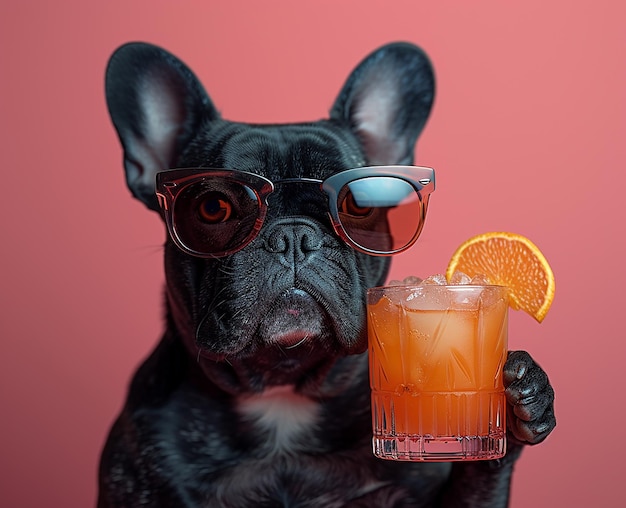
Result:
<point x="395" y="213"/>
<point x="380" y="191"/>
<point x="215" y="216"/>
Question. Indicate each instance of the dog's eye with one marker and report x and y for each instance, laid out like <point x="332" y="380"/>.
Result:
<point x="214" y="208"/>
<point x="349" y="206"/>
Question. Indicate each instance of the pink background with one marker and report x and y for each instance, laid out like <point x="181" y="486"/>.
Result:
<point x="527" y="135"/>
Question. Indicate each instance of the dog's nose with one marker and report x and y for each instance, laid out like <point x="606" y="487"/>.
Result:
<point x="294" y="238"/>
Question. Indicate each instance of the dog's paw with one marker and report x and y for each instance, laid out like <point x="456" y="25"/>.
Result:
<point x="530" y="398"/>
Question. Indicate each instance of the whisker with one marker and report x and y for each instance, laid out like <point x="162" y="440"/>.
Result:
<point x="236" y="313"/>
<point x="299" y="343"/>
<point x="148" y="251"/>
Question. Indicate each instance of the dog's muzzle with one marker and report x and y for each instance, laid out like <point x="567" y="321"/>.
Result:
<point x="295" y="345"/>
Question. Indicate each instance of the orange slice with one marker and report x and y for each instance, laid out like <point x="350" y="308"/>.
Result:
<point x="512" y="260"/>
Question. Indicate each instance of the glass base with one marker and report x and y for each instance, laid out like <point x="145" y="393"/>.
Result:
<point x="439" y="449"/>
<point x="439" y="426"/>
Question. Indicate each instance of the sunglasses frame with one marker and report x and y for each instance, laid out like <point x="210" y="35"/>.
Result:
<point x="170" y="182"/>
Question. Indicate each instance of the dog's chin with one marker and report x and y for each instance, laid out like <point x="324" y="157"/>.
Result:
<point x="304" y="367"/>
<point x="296" y="344"/>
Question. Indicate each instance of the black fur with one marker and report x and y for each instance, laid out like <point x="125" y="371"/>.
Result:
<point x="258" y="394"/>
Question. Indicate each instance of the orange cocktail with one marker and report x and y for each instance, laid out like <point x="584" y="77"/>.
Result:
<point x="436" y="358"/>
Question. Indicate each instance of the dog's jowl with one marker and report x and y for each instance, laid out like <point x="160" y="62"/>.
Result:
<point x="257" y="394"/>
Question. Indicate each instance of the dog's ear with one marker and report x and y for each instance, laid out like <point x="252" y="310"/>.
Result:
<point x="386" y="101"/>
<point x="156" y="104"/>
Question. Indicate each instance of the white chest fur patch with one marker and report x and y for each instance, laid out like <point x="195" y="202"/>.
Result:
<point x="281" y="414"/>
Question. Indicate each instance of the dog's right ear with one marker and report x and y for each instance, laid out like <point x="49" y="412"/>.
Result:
<point x="156" y="104"/>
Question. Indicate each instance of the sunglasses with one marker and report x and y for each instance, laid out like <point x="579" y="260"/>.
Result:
<point x="378" y="210"/>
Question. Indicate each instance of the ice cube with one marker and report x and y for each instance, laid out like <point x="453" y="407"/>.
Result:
<point x="458" y="278"/>
<point x="480" y="280"/>
<point x="411" y="280"/>
<point x="438" y="279"/>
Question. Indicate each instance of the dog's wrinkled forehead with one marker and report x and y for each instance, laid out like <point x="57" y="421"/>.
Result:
<point x="311" y="150"/>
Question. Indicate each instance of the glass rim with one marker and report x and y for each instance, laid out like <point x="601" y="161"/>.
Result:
<point x="398" y="287"/>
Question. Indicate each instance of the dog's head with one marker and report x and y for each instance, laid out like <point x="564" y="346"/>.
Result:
<point x="289" y="304"/>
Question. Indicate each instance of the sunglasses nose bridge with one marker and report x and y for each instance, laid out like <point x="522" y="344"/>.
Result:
<point x="272" y="199"/>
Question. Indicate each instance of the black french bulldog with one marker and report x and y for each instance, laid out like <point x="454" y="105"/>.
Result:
<point x="258" y="394"/>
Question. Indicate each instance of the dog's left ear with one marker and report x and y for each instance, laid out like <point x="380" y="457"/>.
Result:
<point x="386" y="101"/>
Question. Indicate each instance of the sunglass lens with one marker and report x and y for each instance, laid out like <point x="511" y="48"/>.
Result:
<point x="380" y="214"/>
<point x="215" y="216"/>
